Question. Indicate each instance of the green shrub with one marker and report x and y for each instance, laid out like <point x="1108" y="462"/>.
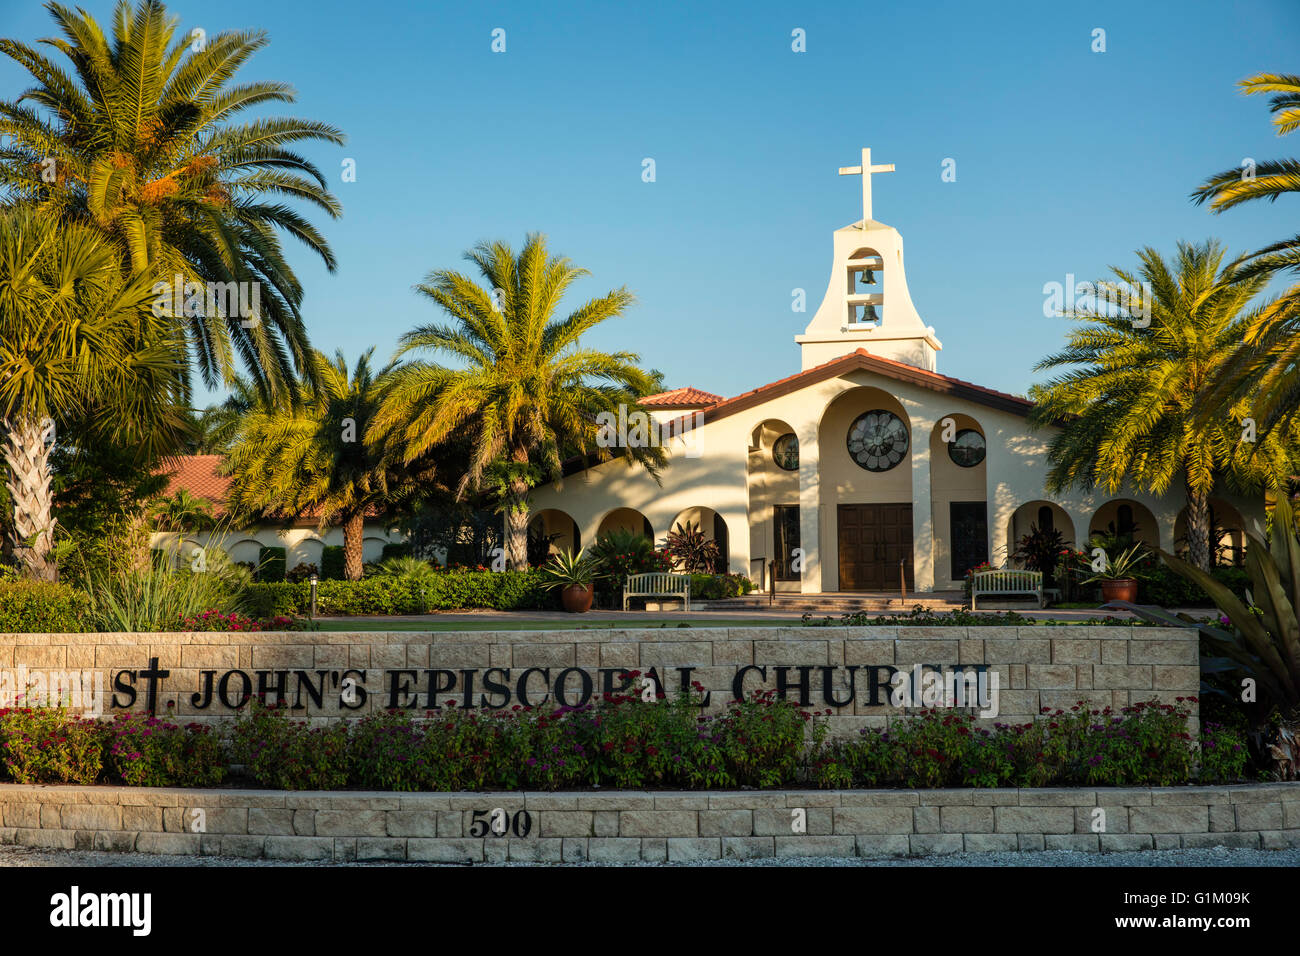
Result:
<point x="145" y="751"/>
<point x="271" y="564"/>
<point x="285" y="754"/>
<point x="1223" y="754"/>
<point x="395" y="549"/>
<point x="1147" y="744"/>
<point x="302" y="571"/>
<point x="33" y="607"/>
<point x="331" y="562"/>
<point x="49" y="745"/>
<point x="1167" y="588"/>
<point x="715" y="587"/>
<point x="382" y="594"/>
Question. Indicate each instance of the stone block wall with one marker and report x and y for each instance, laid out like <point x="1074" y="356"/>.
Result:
<point x="626" y="827"/>
<point x="209" y="676"/>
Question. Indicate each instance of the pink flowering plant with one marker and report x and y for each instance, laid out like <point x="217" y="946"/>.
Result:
<point x="51" y="745"/>
<point x="214" y="620"/>
<point x="146" y="751"/>
<point x="285" y="754"/>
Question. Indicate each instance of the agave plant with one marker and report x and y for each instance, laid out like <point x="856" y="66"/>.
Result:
<point x="1127" y="565"/>
<point x="1261" y="652"/>
<point x="566" y="570"/>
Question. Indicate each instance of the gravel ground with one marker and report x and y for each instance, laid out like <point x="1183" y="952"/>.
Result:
<point x="1219" y="856"/>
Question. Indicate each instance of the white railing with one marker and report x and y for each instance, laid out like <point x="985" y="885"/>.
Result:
<point x="660" y="584"/>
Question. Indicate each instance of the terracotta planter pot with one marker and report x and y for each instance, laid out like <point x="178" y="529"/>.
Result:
<point x="576" y="598"/>
<point x="1120" y="589"/>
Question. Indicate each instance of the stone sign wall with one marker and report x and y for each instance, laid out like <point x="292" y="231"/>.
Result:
<point x="865" y="675"/>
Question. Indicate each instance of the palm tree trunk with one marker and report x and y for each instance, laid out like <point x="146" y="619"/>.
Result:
<point x="1198" y="527"/>
<point x="517" y="514"/>
<point x="354" y="526"/>
<point x="28" y="459"/>
<point x="517" y="526"/>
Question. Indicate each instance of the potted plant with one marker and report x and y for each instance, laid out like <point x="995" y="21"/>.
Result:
<point x="575" y="575"/>
<point x="1119" y="577"/>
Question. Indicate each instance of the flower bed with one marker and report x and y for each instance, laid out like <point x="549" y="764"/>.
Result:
<point x="624" y="742"/>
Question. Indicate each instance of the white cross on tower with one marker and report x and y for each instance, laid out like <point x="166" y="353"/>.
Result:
<point x="865" y="171"/>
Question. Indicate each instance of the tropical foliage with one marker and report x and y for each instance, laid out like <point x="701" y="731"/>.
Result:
<point x="1136" y="387"/>
<point x="567" y="569"/>
<point x="1265" y="372"/>
<point x="311" y="458"/>
<point x="139" y="137"/>
<point x="525" y="392"/>
<point x="691" y="550"/>
<point x="78" y="342"/>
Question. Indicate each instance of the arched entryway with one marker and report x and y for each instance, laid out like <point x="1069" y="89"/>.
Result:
<point x="625" y="519"/>
<point x="711" y="526"/>
<point x="865" y="450"/>
<point x="1041" y="516"/>
<point x="1125" y="522"/>
<point x="551" y="531"/>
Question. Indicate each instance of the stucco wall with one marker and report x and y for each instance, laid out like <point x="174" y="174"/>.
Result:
<point x="720" y="478"/>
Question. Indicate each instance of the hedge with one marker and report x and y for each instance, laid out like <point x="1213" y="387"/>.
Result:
<point x="271" y="564"/>
<point x="34" y="607"/>
<point x="331" y="562"/>
<point x="383" y="594"/>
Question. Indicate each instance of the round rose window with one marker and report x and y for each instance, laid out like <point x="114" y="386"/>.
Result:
<point x="967" y="449"/>
<point x="785" y="452"/>
<point x="877" y="440"/>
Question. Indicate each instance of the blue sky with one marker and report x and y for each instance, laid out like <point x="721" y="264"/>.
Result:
<point x="1067" y="160"/>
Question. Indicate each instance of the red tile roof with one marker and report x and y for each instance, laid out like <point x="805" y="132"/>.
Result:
<point x="199" y="475"/>
<point x="685" y="397"/>
<point x="862" y="359"/>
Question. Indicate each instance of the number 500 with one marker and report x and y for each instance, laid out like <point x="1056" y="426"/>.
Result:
<point x="498" y="822"/>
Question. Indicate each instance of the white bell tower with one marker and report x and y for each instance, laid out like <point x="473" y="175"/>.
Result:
<point x="867" y="305"/>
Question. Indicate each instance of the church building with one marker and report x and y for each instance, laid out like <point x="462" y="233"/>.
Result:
<point x="867" y="470"/>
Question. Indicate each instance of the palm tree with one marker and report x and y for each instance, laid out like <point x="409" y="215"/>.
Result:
<point x="311" y="458"/>
<point x="212" y="429"/>
<point x="528" y="394"/>
<point x="1131" y="405"/>
<point x="78" y="343"/>
<point x="183" y="512"/>
<point x="1267" y="366"/>
<point x="139" y="139"/>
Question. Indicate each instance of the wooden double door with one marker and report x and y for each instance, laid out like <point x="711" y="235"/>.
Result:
<point x="873" y="541"/>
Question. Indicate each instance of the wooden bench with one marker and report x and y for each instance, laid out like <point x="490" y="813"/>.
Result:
<point x="659" y="584"/>
<point x="1007" y="582"/>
